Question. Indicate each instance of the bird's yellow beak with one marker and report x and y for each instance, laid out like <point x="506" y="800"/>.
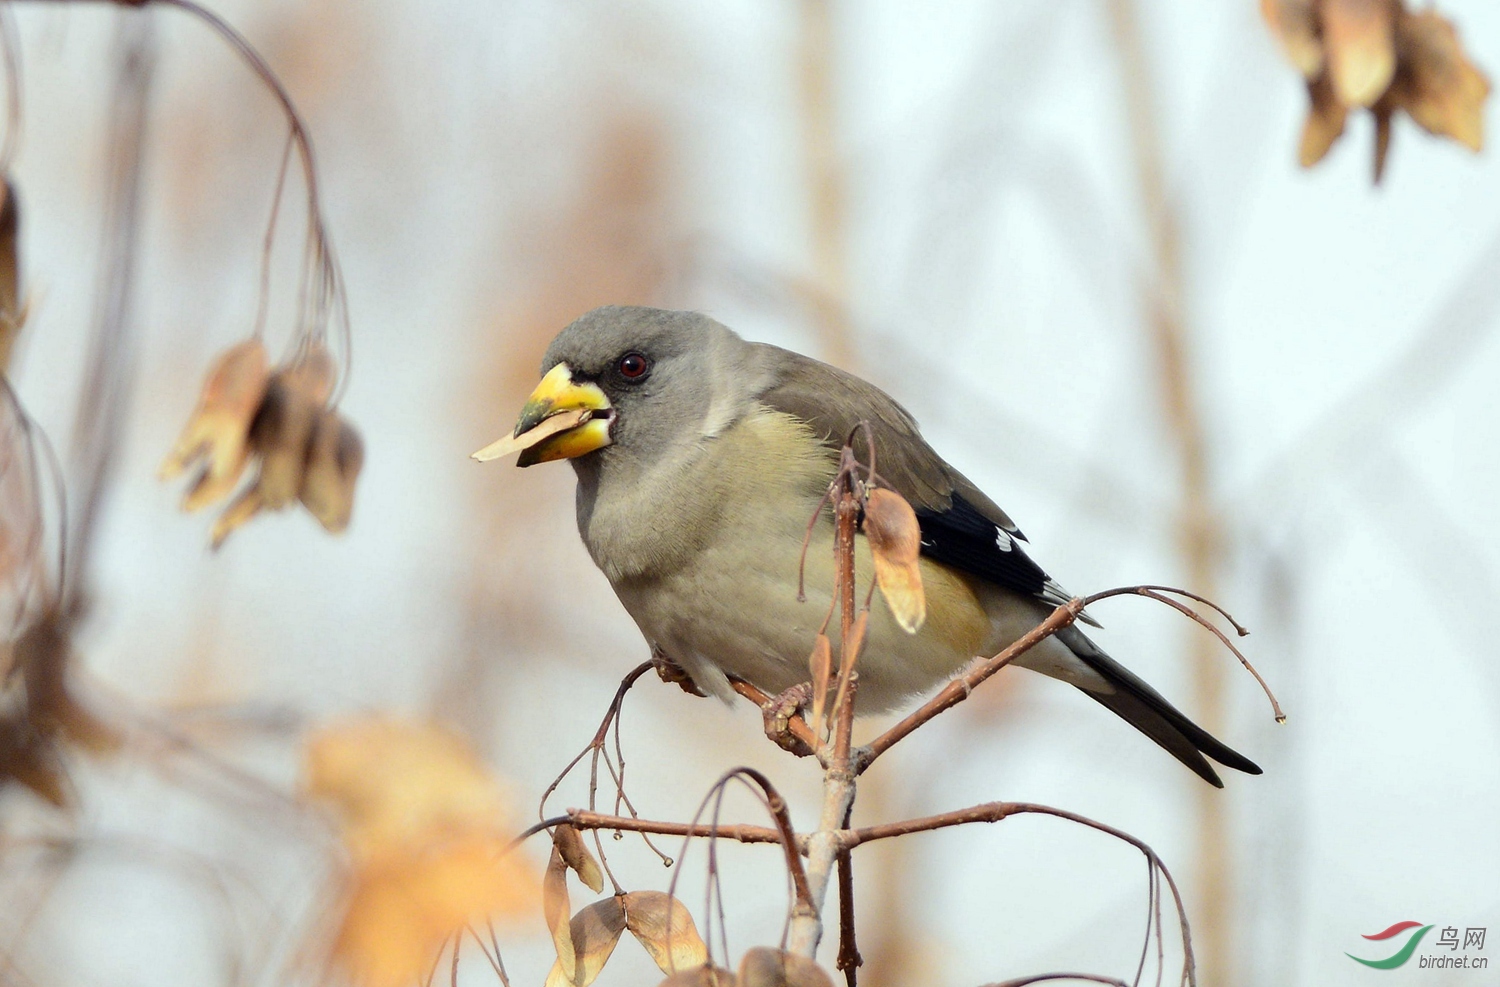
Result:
<point x="561" y="419"/>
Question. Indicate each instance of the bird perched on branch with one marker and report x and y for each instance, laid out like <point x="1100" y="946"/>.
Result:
<point x="701" y="458"/>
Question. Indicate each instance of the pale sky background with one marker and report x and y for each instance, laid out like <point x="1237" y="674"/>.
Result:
<point x="1343" y="347"/>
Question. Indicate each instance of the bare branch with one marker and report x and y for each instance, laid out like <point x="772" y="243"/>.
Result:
<point x="957" y="690"/>
<point x="990" y="812"/>
<point x="1155" y="593"/>
<point x="584" y="819"/>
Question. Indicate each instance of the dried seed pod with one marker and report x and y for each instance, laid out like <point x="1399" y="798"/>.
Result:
<point x="1295" y="24"/>
<point x="591" y="936"/>
<point x="550" y="426"/>
<point x="1326" y="117"/>
<point x="766" y="967"/>
<point x="896" y="542"/>
<point x="820" y="664"/>
<point x="577" y="856"/>
<point x="1437" y="84"/>
<point x="283" y="427"/>
<point x="240" y="510"/>
<point x="334" y="459"/>
<point x="1360" y="39"/>
<point x="663" y="925"/>
<point x="217" y="433"/>
<point x="704" y="976"/>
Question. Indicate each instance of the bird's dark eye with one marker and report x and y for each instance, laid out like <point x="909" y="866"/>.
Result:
<point x="633" y="366"/>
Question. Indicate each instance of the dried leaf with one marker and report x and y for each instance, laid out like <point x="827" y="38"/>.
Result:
<point x="217" y="433"/>
<point x="593" y="934"/>
<point x="704" y="976"/>
<point x="896" y="542"/>
<point x="766" y="967"/>
<point x="334" y="460"/>
<point x="1437" y="84"/>
<point x="577" y="856"/>
<point x="664" y="926"/>
<point x="1359" y="37"/>
<point x="240" y="510"/>
<point x="557" y="909"/>
<point x="820" y="664"/>
<point x="1295" y="24"/>
<point x="1326" y="117"/>
<point x="550" y="426"/>
<point x="283" y="427"/>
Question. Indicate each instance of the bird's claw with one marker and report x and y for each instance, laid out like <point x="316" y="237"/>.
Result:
<point x="669" y="671"/>
<point x="778" y="713"/>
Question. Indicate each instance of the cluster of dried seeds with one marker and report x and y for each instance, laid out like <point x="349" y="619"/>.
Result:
<point x="1379" y="56"/>
<point x="307" y="451"/>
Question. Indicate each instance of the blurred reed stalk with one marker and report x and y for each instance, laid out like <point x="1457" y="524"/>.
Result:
<point x="826" y="183"/>
<point x="1200" y="534"/>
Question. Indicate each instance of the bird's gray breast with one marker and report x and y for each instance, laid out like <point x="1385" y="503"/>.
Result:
<point x="702" y="548"/>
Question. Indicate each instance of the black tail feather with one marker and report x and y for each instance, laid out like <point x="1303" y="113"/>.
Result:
<point x="1148" y="711"/>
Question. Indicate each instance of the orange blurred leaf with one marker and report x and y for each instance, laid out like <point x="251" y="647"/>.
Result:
<point x="402" y="907"/>
<point x="427" y="829"/>
<point x="896" y="543"/>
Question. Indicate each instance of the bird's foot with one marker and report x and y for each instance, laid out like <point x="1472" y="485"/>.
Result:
<point x="669" y="671"/>
<point x="778" y="713"/>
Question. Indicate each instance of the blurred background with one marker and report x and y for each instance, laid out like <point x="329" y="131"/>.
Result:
<point x="1071" y="237"/>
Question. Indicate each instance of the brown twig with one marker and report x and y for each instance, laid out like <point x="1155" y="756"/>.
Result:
<point x="957" y="690"/>
<point x="849" y="960"/>
<point x="838" y="767"/>
<point x="1156" y="593"/>
<point x="596" y="750"/>
<point x="990" y="812"/>
<point x="740" y="833"/>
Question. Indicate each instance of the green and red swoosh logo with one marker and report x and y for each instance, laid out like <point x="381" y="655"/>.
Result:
<point x="1401" y="955"/>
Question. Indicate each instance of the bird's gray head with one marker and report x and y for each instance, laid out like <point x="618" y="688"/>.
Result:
<point x="634" y="382"/>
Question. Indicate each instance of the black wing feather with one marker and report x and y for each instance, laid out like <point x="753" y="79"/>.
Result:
<point x="965" y="539"/>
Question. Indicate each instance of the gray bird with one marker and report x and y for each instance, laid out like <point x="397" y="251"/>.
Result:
<point x="701" y="458"/>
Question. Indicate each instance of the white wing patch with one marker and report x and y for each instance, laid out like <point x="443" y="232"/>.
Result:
<point x="1003" y="541"/>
